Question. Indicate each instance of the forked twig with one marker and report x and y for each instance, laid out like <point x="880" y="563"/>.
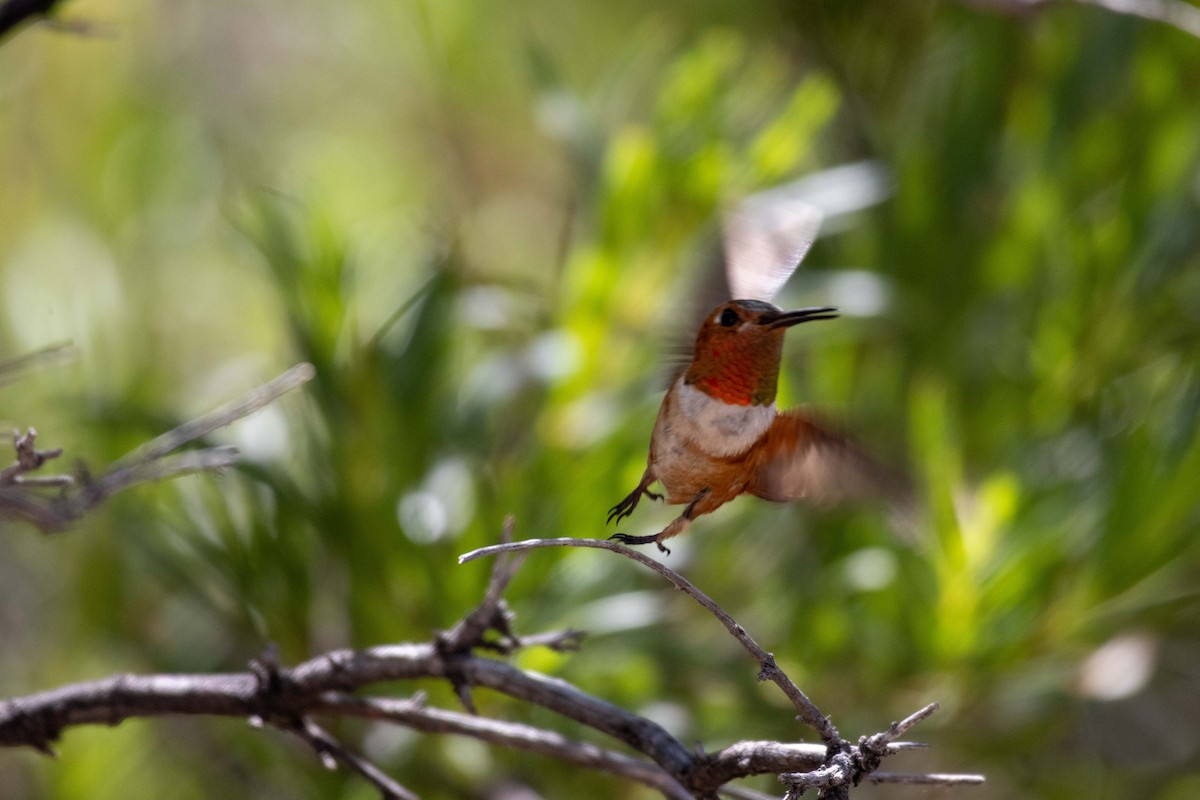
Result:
<point x="151" y="461"/>
<point x="29" y="459"/>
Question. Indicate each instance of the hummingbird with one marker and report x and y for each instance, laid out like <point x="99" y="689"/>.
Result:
<point x="718" y="434"/>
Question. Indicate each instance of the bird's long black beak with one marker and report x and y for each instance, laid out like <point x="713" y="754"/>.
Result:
<point x="786" y="319"/>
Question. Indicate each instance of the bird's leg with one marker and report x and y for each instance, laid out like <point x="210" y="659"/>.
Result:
<point x="625" y="507"/>
<point x="677" y="526"/>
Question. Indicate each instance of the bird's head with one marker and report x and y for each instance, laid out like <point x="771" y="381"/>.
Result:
<point x="739" y="348"/>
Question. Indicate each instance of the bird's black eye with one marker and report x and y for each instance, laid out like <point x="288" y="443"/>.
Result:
<point x="729" y="318"/>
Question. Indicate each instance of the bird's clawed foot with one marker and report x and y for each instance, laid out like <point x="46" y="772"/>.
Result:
<point x="626" y="539"/>
<point x="624" y="508"/>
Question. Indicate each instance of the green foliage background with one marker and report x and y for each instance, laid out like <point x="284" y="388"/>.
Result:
<point x="477" y="220"/>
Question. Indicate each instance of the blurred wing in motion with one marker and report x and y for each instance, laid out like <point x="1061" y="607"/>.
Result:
<point x="803" y="460"/>
<point x="764" y="238"/>
<point x="767" y="235"/>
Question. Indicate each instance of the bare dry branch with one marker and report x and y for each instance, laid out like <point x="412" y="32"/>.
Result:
<point x="288" y="698"/>
<point x="926" y="778"/>
<point x="153" y="461"/>
<point x="252" y="401"/>
<point x="838" y="766"/>
<point x="491" y="613"/>
<point x="282" y="697"/>
<point x="413" y="714"/>
<point x="332" y="752"/>
<point x="769" y="670"/>
<point x="768" y="758"/>
<point x="37" y="720"/>
<point x="874" y="748"/>
<point x="28" y="459"/>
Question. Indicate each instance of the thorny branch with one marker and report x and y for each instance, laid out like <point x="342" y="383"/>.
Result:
<point x="289" y="698"/>
<point x="152" y="461"/>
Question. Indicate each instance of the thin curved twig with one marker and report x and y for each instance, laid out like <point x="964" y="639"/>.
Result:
<point x="244" y="406"/>
<point x="13" y="369"/>
<point x="840" y="766"/>
<point x="769" y="670"/>
<point x="332" y="752"/>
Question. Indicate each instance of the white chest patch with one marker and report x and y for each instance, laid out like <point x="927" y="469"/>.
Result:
<point x="720" y="429"/>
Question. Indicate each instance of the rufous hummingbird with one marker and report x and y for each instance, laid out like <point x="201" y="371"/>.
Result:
<point x="718" y="434"/>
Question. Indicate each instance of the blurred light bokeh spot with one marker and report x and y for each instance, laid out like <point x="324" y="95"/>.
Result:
<point x="1119" y="668"/>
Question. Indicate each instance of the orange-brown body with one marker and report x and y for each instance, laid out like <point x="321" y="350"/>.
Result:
<point x="718" y="434"/>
